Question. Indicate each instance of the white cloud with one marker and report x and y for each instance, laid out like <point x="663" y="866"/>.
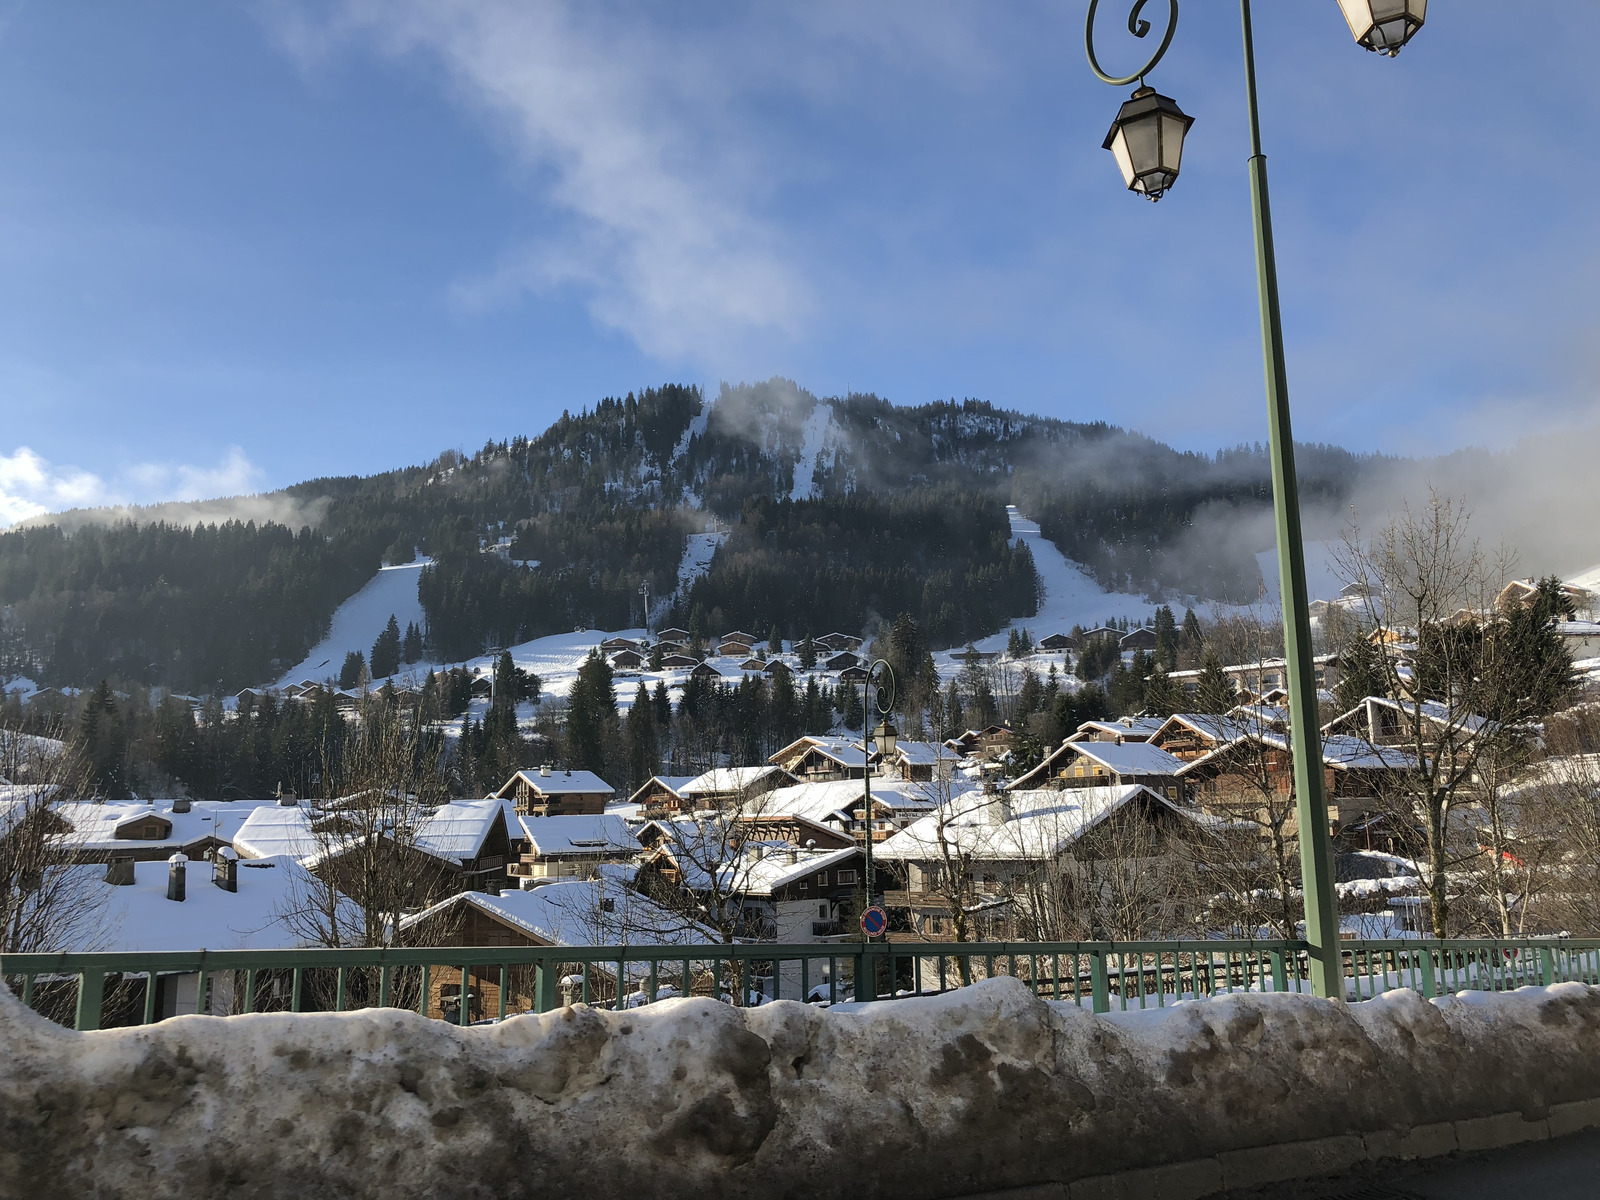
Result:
<point x="31" y="485"/>
<point x="627" y="134"/>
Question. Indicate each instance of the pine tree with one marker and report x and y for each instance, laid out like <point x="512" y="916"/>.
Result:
<point x="954" y="714"/>
<point x="775" y="641"/>
<point x="591" y="714"/>
<point x="640" y="736"/>
<point x="808" y="654"/>
<point x="1361" y="673"/>
<point x="663" y="705"/>
<point x="385" y="658"/>
<point x="1030" y="697"/>
<point x="104" y="738"/>
<point x="1190" y="640"/>
<point x="1161" y="697"/>
<point x="353" y="671"/>
<point x="1215" y="692"/>
<point x="411" y="645"/>
<point x="1166" y="639"/>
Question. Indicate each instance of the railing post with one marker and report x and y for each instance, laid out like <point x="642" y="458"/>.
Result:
<point x="1280" y="973"/>
<point x="544" y="987"/>
<point x="866" y="977"/>
<point x="1430" y="986"/>
<point x="1547" y="967"/>
<point x="1098" y="982"/>
<point x="91" y="993"/>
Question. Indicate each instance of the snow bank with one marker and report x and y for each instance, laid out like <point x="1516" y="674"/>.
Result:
<point x="979" y="1090"/>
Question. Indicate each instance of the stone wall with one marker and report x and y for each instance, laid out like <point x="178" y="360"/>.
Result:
<point x="982" y="1090"/>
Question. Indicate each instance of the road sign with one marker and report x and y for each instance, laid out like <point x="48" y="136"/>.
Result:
<point x="874" y="921"/>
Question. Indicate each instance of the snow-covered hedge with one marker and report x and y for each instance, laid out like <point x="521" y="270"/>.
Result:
<point x="982" y="1089"/>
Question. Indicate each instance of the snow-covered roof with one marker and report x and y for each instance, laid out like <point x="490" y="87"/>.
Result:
<point x="272" y="830"/>
<point x="831" y="800"/>
<point x="1339" y="751"/>
<point x="922" y="754"/>
<point x="457" y="830"/>
<point x="564" y="783"/>
<point x="139" y="917"/>
<point x="94" y="826"/>
<point x="1016" y="826"/>
<point x="1213" y="726"/>
<point x="727" y="781"/>
<point x="763" y="875"/>
<point x="606" y="833"/>
<point x="673" y="783"/>
<point x="845" y="751"/>
<point x="573" y="913"/>
<point x="1129" y="758"/>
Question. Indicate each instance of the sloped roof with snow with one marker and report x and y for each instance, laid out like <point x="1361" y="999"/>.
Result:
<point x="94" y="826"/>
<point x="605" y="833"/>
<point x="830" y="800"/>
<point x="761" y="876"/>
<point x="570" y="913"/>
<point x="1016" y="826"/>
<point x="139" y="917"/>
<point x="562" y="783"/>
<point x="724" y="781"/>
<point x="273" y="830"/>
<point x="457" y="830"/>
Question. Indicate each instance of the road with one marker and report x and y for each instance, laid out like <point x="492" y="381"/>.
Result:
<point x="1566" y="1169"/>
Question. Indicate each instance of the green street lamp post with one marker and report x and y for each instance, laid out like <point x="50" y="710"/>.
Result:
<point x="880" y="683"/>
<point x="1147" y="141"/>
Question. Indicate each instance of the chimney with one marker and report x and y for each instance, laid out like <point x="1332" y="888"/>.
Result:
<point x="225" y="869"/>
<point x="181" y="805"/>
<point x="544" y="771"/>
<point x="1000" y="810"/>
<point x="119" y="871"/>
<point x="794" y="857"/>
<point x="285" y="800"/>
<point x="177" y="877"/>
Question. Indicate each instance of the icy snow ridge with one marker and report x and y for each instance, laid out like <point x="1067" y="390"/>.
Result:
<point x="984" y="1089"/>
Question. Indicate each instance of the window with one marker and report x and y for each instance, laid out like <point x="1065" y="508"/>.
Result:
<point x="803" y="887"/>
<point x="822" y="911"/>
<point x="822" y="879"/>
<point x="846" y="878"/>
<point x="608" y="905"/>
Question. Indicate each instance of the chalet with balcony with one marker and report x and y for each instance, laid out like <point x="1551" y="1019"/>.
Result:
<point x="549" y="793"/>
<point x="1106" y="764"/>
<point x="572" y="848"/>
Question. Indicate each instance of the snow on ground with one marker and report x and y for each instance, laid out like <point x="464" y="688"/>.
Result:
<point x="1071" y="597"/>
<point x="359" y="620"/>
<point x="698" y="551"/>
<point x="986" y="1089"/>
<point x="816" y="438"/>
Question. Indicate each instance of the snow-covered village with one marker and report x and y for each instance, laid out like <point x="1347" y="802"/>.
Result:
<point x="847" y="696"/>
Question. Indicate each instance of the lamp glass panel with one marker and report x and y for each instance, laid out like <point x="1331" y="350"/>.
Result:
<point x="1144" y="142"/>
<point x="1172" y="131"/>
<point x="1387" y="34"/>
<point x="1384" y="10"/>
<point x="1418" y="9"/>
<point x="1119" y="151"/>
<point x="1358" y="15"/>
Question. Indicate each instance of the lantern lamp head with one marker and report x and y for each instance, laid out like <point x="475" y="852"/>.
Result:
<point x="1146" y="139"/>
<point x="1384" y="25"/>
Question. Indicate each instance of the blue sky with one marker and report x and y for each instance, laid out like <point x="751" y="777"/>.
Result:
<point x="245" y="244"/>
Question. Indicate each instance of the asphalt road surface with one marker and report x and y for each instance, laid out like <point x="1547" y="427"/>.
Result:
<point x="1565" y="1169"/>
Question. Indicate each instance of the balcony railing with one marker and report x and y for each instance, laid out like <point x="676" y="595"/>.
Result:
<point x="91" y="990"/>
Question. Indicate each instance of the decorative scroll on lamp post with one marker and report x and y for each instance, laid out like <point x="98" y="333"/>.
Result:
<point x="1146" y="139"/>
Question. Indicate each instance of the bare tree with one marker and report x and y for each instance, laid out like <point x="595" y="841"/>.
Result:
<point x="49" y="899"/>
<point x="1416" y="575"/>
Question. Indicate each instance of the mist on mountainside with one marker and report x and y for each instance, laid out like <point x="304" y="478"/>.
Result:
<point x="831" y="513"/>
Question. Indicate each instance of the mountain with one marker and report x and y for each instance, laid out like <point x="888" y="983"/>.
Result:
<point x="816" y="515"/>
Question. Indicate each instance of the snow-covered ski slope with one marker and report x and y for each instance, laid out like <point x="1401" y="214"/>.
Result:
<point x="359" y="620"/>
<point x="816" y="440"/>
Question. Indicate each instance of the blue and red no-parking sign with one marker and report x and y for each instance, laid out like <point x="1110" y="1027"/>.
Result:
<point x="874" y="921"/>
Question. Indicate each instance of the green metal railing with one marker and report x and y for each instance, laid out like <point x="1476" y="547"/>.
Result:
<point x="468" y="984"/>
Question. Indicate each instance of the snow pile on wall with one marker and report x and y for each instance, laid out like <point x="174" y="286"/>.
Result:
<point x="979" y="1090"/>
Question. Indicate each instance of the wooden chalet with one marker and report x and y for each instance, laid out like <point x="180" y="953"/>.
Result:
<point x="989" y="742"/>
<point x="1102" y="764"/>
<point x="838" y="643"/>
<point x="1121" y="731"/>
<point x="1188" y="736"/>
<point x="679" y="636"/>
<point x="1142" y="638"/>
<point x="677" y="662"/>
<point x="774" y="667"/>
<point x="841" y="661"/>
<point x="547" y="792"/>
<point x="613" y="644"/>
<point x="814" y="758"/>
<point x="662" y="792"/>
<point x="627" y="660"/>
<point x="1058" y="641"/>
<point x="706" y="671"/>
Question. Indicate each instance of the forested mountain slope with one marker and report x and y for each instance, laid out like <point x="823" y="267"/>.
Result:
<point x="835" y="511"/>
